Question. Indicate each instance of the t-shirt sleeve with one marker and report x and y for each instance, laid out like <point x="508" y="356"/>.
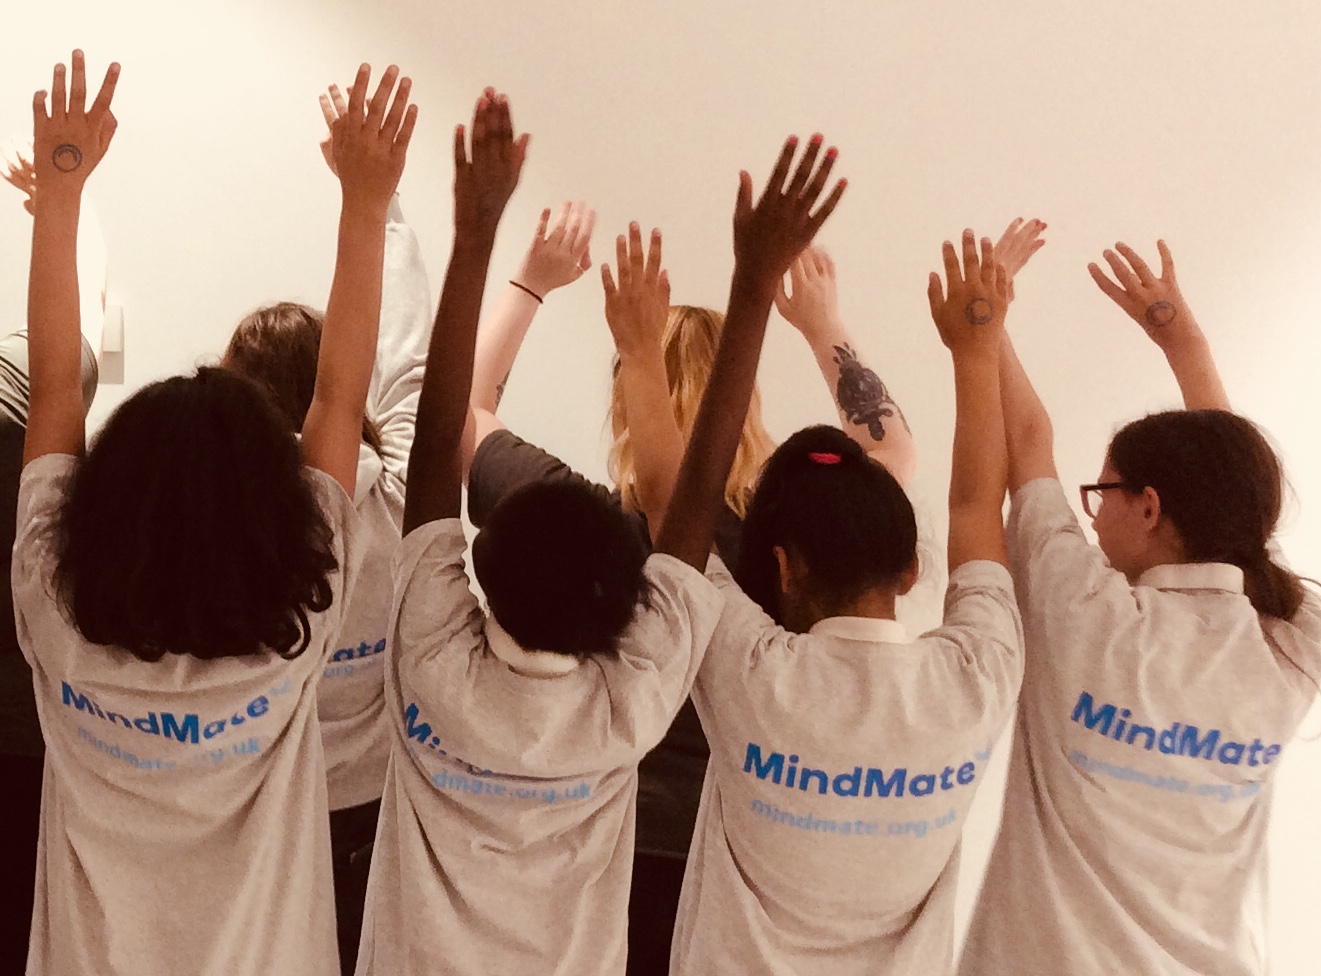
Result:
<point x="743" y="636"/>
<point x="981" y="639"/>
<point x="41" y="492"/>
<point x="660" y="652"/>
<point x="1299" y="638"/>
<point x="1056" y="571"/>
<point x="504" y="463"/>
<point x="349" y="542"/>
<point x="437" y="624"/>
<point x="401" y="347"/>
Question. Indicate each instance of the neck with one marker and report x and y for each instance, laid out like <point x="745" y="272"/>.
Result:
<point x="877" y="603"/>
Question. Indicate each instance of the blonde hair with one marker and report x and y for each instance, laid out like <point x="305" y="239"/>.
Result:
<point x="689" y="345"/>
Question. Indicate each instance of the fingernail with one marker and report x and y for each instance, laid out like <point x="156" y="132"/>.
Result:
<point x="793" y="140"/>
<point x="816" y="139"/>
<point x="832" y="152"/>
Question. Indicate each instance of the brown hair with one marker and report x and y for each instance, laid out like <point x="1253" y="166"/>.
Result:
<point x="1222" y="486"/>
<point x="690" y="340"/>
<point x="277" y="348"/>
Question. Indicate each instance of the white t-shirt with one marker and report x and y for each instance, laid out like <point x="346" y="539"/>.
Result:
<point x="1148" y="734"/>
<point x="505" y="842"/>
<point x="183" y="814"/>
<point x="351" y="699"/>
<point x="843" y="762"/>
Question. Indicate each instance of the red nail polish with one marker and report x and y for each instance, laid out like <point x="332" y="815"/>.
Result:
<point x="832" y="152"/>
<point x="816" y="139"/>
<point x="793" y="140"/>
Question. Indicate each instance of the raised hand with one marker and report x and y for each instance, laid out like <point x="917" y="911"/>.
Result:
<point x="813" y="305"/>
<point x="484" y="184"/>
<point x="559" y="254"/>
<point x="16" y="168"/>
<point x="333" y="105"/>
<point x="1153" y="303"/>
<point x="636" y="309"/>
<point x="70" y="139"/>
<point x="971" y="316"/>
<point x="1016" y="245"/>
<point x="771" y="233"/>
<point x="369" y="139"/>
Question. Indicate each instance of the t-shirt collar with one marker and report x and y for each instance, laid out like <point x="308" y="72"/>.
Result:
<point x="535" y="664"/>
<point x="1194" y="576"/>
<point x="875" y="630"/>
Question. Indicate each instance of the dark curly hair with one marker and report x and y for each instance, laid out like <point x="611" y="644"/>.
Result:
<point x="1222" y="486"/>
<point x="277" y="348"/>
<point x="847" y="519"/>
<point x="191" y="526"/>
<point x="562" y="568"/>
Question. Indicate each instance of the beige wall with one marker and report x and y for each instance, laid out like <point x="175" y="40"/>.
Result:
<point x="1196" y="121"/>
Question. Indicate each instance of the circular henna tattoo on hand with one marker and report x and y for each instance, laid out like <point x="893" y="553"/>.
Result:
<point x="1160" y="313"/>
<point x="978" y="311"/>
<point x="67" y="157"/>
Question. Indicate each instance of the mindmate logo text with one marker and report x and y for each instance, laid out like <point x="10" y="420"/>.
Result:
<point x="187" y="727"/>
<point x="857" y="781"/>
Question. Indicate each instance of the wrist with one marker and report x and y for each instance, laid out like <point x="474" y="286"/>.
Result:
<point x="751" y="286"/>
<point x="520" y="289"/>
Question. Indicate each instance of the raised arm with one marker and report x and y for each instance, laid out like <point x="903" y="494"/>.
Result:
<point x="557" y="256"/>
<point x="970" y="316"/>
<point x="17" y="169"/>
<point x="1028" y="431"/>
<point x="1157" y="305"/>
<point x="405" y="324"/>
<point x="636" y="310"/>
<point x="867" y="412"/>
<point x="767" y="236"/>
<point x="370" y="145"/>
<point x="482" y="188"/>
<point x="68" y="142"/>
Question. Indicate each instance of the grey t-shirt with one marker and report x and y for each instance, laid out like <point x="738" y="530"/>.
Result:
<point x="670" y="776"/>
<point x="20" y="732"/>
<point x="505" y="842"/>
<point x="1148" y="734"/>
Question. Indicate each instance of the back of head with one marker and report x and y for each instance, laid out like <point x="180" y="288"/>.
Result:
<point x="1222" y="487"/>
<point x="277" y="348"/>
<point x="691" y="337"/>
<point x="839" y="511"/>
<point x="190" y="526"/>
<point x="562" y="568"/>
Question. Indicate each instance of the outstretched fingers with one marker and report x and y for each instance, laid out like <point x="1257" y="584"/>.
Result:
<point x="1112" y="291"/>
<point x="395" y="117"/>
<point x="376" y="108"/>
<point x="358" y="93"/>
<point x="1139" y="266"/>
<point x="1166" y="264"/>
<point x="775" y="185"/>
<point x="804" y="170"/>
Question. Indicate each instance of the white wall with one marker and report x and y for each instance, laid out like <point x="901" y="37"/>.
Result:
<point x="1196" y="121"/>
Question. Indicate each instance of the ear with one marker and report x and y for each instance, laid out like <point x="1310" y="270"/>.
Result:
<point x="908" y="578"/>
<point x="1149" y="509"/>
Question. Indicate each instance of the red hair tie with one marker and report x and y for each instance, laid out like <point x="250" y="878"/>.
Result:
<point x="824" y="457"/>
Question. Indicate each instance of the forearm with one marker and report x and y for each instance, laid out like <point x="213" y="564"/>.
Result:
<point x="867" y="412"/>
<point x="435" y="466"/>
<point x="1195" y="371"/>
<point x="979" y="468"/>
<point x="55" y="420"/>
<point x="498" y="340"/>
<point x="699" y="491"/>
<point x="91" y="276"/>
<point x="353" y="312"/>
<point x="653" y="432"/>
<point x="1029" y="436"/>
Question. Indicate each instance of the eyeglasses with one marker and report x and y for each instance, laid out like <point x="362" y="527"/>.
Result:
<point x="1092" y="494"/>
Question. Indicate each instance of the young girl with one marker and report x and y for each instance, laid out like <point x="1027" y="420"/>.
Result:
<point x="664" y="357"/>
<point x="277" y="347"/>
<point x="506" y="830"/>
<point x="175" y="590"/>
<point x="1167" y="670"/>
<point x="845" y="754"/>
